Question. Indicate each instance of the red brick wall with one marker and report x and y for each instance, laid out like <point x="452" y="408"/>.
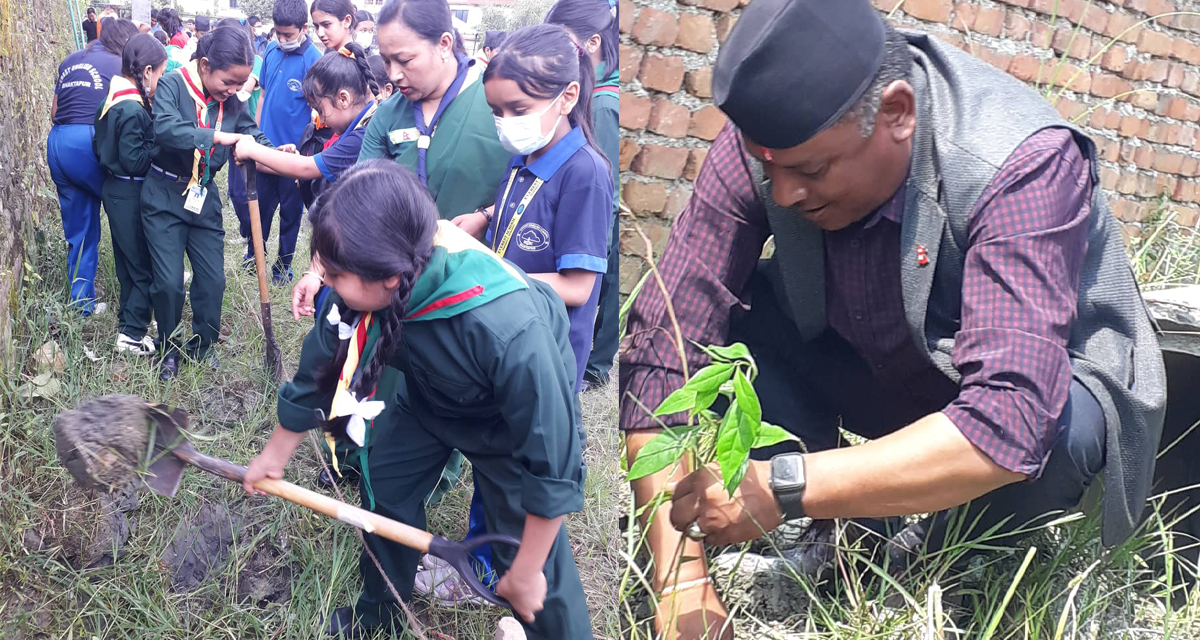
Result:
<point x="1148" y="137"/>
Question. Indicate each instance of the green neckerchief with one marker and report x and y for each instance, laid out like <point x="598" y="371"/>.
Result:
<point x="612" y="80"/>
<point x="462" y="274"/>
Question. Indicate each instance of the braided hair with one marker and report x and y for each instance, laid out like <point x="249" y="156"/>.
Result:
<point x="334" y="72"/>
<point x="143" y="50"/>
<point x="377" y="222"/>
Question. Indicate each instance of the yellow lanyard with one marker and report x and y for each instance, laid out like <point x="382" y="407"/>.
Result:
<point x="516" y="218"/>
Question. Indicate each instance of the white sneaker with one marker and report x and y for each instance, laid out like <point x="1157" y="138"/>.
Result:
<point x="442" y="584"/>
<point x="148" y="342"/>
<point x="99" y="308"/>
<point x="141" y="347"/>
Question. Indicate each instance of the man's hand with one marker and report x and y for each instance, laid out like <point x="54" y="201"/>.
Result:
<point x="750" y="513"/>
<point x="288" y="148"/>
<point x="474" y="223"/>
<point x="525" y="590"/>
<point x="692" y="613"/>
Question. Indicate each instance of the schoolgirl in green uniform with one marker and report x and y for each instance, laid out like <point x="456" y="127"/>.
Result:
<point x="195" y="124"/>
<point x="123" y="142"/>
<point x="487" y="369"/>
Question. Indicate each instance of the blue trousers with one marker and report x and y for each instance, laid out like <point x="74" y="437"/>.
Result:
<point x="806" y="387"/>
<point x="237" y="196"/>
<point x="282" y="193"/>
<point x="79" y="179"/>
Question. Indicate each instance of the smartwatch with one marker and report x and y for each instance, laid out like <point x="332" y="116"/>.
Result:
<point x="787" y="483"/>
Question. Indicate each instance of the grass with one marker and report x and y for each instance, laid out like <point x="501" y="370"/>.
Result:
<point x="311" y="563"/>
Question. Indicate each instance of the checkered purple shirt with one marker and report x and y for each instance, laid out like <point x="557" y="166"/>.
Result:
<point x="1026" y="243"/>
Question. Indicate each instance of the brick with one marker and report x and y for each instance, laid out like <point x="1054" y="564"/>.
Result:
<point x="1191" y="82"/>
<point x="1042" y="35"/>
<point x="1024" y="4"/>
<point x="1155" y="71"/>
<point x="1165" y="183"/>
<point x="1128" y="150"/>
<point x="635" y="111"/>
<point x="699" y="82"/>
<point x="964" y="16"/>
<point x="725" y="24"/>
<point x="1187" y="23"/>
<point x="1108" y="178"/>
<point x="654" y="27"/>
<point x="1175" y="75"/>
<point x="631" y="61"/>
<point x="627" y="14"/>
<point x="707" y="122"/>
<point x="1143" y="157"/>
<point x="1074" y="43"/>
<point x="631" y="273"/>
<point x="928" y="10"/>
<point x="1123" y="26"/>
<point x="1188" y="52"/>
<point x="696" y="32"/>
<point x="1127" y="183"/>
<point x="1160" y="7"/>
<point x="1186" y="216"/>
<point x="994" y="58"/>
<point x="1070" y="109"/>
<point x="1144" y="99"/>
<point x="716" y="5"/>
<point x="1094" y="19"/>
<point x="1111" y="149"/>
<point x="1115" y="59"/>
<point x="1024" y="67"/>
<point x="1051" y="7"/>
<point x="1109" y="86"/>
<point x="1187" y="137"/>
<point x="1112" y="120"/>
<point x="1016" y="26"/>
<point x="1173" y="133"/>
<point x="1177" y="108"/>
<point x="1191" y="166"/>
<point x="1158" y="132"/>
<point x="1124" y="210"/>
<point x="669" y="119"/>
<point x="661" y="73"/>
<point x="989" y="21"/>
<point x="657" y="161"/>
<point x="953" y="39"/>
<point x="677" y="199"/>
<point x="1154" y="43"/>
<point x="695" y="160"/>
<point x="1129" y="126"/>
<point x="1185" y="191"/>
<point x="628" y="150"/>
<point x="645" y="197"/>
<point x="1146" y="187"/>
<point x="1096" y="119"/>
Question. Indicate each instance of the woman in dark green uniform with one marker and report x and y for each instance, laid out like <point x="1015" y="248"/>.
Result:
<point x="195" y="124"/>
<point x="487" y="369"/>
<point x="123" y="142"/>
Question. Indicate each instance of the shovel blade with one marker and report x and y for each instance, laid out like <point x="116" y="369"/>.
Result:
<point x="165" y="471"/>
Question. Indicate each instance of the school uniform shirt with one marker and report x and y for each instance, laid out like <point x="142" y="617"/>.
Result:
<point x="285" y="112"/>
<point x="564" y="226"/>
<point x="89" y="27"/>
<point x="342" y="151"/>
<point x="83" y="84"/>
<point x="124" y="139"/>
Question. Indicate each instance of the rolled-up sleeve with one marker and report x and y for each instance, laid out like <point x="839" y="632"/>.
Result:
<point x="537" y="403"/>
<point x="1027" y="241"/>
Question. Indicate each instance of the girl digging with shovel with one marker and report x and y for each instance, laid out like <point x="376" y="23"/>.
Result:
<point x="488" y="370"/>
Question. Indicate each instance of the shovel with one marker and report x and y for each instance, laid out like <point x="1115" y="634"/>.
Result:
<point x="273" y="355"/>
<point x="172" y="453"/>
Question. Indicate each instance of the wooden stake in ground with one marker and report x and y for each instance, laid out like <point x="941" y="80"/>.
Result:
<point x="271" y="348"/>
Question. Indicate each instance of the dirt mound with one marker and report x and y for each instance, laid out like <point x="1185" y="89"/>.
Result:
<point x="102" y="441"/>
<point x="266" y="578"/>
<point x="200" y="544"/>
<point x="90" y="532"/>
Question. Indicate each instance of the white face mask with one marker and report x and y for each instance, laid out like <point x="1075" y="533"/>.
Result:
<point x="522" y="135"/>
<point x="291" y="46"/>
<point x="364" y="40"/>
<point x="262" y="31"/>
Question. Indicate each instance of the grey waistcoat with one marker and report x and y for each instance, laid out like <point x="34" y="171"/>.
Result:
<point x="970" y="118"/>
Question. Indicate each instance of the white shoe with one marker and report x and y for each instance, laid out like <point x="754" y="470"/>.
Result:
<point x="442" y="584"/>
<point x="148" y="342"/>
<point x="99" y="308"/>
<point x="137" y="347"/>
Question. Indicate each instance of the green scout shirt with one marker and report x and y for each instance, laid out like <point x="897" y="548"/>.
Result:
<point x="606" y="115"/>
<point x="124" y="139"/>
<point x="465" y="160"/>
<point x="496" y="374"/>
<point x="177" y="133"/>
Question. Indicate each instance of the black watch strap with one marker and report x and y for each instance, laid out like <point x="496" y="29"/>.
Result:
<point x="787" y="483"/>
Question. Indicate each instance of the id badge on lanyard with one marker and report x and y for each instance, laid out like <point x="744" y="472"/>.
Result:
<point x="198" y="193"/>
<point x="500" y="243"/>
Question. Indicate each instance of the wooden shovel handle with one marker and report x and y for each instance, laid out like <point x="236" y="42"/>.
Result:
<point x="367" y="521"/>
<point x="256" y="234"/>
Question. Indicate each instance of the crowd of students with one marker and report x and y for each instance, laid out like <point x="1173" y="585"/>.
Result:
<point x="462" y="253"/>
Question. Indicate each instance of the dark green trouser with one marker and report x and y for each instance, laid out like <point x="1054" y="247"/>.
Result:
<point x="170" y="233"/>
<point x="604" y="337"/>
<point x="122" y="202"/>
<point x="406" y="461"/>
